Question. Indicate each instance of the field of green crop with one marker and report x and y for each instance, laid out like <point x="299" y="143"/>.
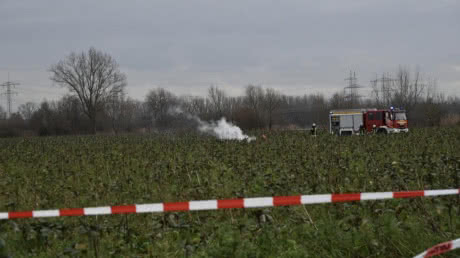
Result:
<point x="86" y="171"/>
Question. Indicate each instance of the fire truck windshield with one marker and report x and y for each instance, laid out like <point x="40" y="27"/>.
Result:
<point x="400" y="116"/>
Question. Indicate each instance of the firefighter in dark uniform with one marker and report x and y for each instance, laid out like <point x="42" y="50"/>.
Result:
<point x="361" y="130"/>
<point x="313" y="129"/>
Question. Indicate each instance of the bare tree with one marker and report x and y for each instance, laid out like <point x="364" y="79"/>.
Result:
<point x="194" y="105"/>
<point x="122" y="114"/>
<point x="42" y="119"/>
<point x="337" y="101"/>
<point x="233" y="106"/>
<point x="159" y="102"/>
<point x="431" y="89"/>
<point x="115" y="111"/>
<point x="141" y="115"/>
<point x="255" y="99"/>
<point x="27" y="110"/>
<point x="272" y="103"/>
<point x="93" y="77"/>
<point x="318" y="108"/>
<point x="407" y="92"/>
<point x="70" y="111"/>
<point x="218" y="100"/>
<point x="2" y="113"/>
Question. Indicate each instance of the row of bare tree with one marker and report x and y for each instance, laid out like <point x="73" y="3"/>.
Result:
<point x="97" y="102"/>
<point x="162" y="110"/>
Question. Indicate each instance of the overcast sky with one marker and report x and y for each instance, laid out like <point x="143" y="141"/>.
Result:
<point x="185" y="46"/>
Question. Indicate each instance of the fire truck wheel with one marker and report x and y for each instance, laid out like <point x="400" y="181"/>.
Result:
<point x="382" y="131"/>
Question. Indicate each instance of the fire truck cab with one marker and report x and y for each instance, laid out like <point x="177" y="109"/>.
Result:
<point x="355" y="121"/>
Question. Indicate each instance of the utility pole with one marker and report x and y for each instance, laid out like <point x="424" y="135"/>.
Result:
<point x="9" y="93"/>
<point x="352" y="96"/>
<point x="386" y="88"/>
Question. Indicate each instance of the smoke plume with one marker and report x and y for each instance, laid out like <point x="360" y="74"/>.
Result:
<point x="224" y="130"/>
<point x="221" y="129"/>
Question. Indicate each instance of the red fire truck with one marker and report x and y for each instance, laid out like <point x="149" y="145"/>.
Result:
<point x="355" y="121"/>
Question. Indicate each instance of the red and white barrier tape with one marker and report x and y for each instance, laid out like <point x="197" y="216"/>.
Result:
<point x="226" y="204"/>
<point x="440" y="249"/>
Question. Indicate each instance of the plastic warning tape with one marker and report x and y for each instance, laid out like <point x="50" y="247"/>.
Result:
<point x="440" y="249"/>
<point x="226" y="204"/>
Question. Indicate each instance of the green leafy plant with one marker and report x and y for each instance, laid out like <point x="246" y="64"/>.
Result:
<point x="86" y="171"/>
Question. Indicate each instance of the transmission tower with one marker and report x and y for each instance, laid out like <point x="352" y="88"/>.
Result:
<point x="8" y="85"/>
<point x="385" y="90"/>
<point x="351" y="91"/>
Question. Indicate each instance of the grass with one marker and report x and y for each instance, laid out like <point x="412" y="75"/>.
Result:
<point x="85" y="171"/>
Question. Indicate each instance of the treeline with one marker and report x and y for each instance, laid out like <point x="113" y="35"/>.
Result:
<point x="163" y="111"/>
<point x="97" y="103"/>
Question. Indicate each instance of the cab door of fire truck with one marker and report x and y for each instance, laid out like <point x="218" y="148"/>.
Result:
<point x="373" y="119"/>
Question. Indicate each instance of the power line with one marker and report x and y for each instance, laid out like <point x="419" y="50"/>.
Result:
<point x="9" y="94"/>
<point x="386" y="88"/>
<point x="352" y="89"/>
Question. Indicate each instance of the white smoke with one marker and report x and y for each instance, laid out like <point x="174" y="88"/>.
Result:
<point x="221" y="129"/>
<point x="224" y="130"/>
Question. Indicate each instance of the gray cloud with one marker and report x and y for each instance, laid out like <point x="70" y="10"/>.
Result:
<point x="295" y="46"/>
